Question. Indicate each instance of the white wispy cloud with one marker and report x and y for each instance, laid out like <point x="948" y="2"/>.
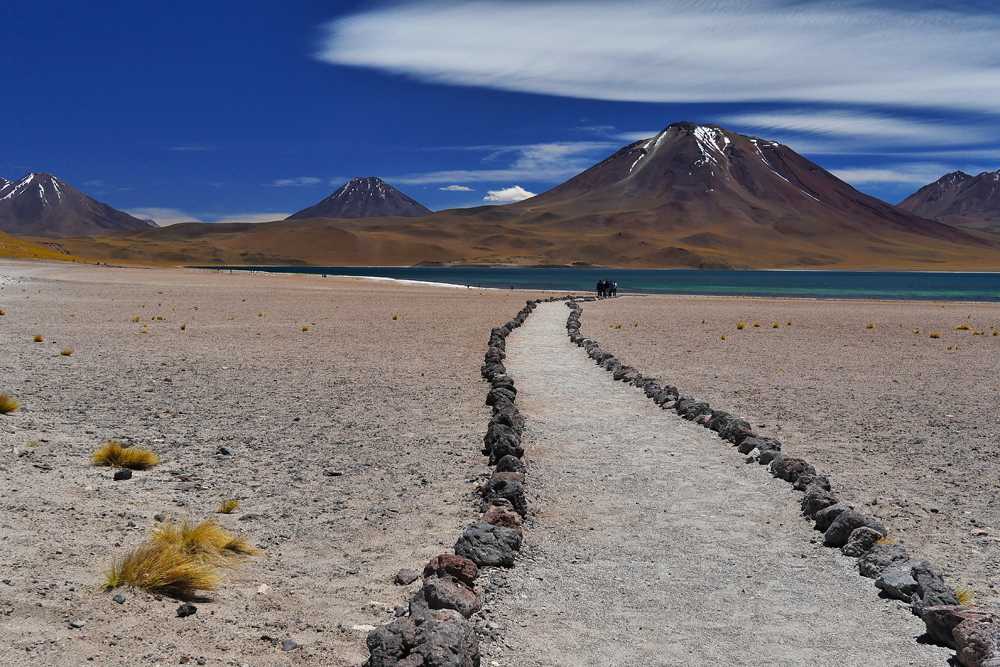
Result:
<point x="171" y="216"/>
<point x="537" y="163"/>
<point x="163" y="216"/>
<point x="456" y="188"/>
<point x="296" y="182"/>
<point x="902" y="174"/>
<point x="686" y="50"/>
<point x="867" y="128"/>
<point x="514" y="193"/>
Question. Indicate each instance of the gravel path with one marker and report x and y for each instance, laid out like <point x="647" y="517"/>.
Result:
<point x="654" y="544"/>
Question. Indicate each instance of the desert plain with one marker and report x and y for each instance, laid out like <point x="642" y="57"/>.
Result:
<point x="346" y="417"/>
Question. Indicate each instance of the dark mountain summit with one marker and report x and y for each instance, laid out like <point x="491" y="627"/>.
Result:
<point x="365" y="198"/>
<point x="959" y="199"/>
<point x="43" y="205"/>
<point x="726" y="185"/>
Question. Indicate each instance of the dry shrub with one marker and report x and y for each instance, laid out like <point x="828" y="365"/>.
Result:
<point x="965" y="596"/>
<point x="756" y="325"/>
<point x="38" y="338"/>
<point x="916" y="332"/>
<point x="161" y="567"/>
<point x="8" y="404"/>
<point x="870" y="325"/>
<point x="67" y="352"/>
<point x="395" y="316"/>
<point x="305" y="327"/>
<point x="206" y="540"/>
<point x="741" y="325"/>
<point x="115" y="454"/>
<point x="228" y="506"/>
<point x="136" y="318"/>
<point x="934" y="334"/>
<point x="2" y="312"/>
<point x="184" y="327"/>
<point x="963" y="327"/>
<point x="722" y="338"/>
<point x="775" y="325"/>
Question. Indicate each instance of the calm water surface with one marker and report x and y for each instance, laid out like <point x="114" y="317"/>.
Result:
<point x="816" y="284"/>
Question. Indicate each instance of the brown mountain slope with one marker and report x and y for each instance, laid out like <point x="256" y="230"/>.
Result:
<point x="18" y="248"/>
<point x="43" y="205"/>
<point x="961" y="200"/>
<point x="693" y="196"/>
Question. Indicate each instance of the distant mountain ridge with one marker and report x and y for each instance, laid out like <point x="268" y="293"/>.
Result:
<point x="960" y="199"/>
<point x="43" y="205"/>
<point x="368" y="197"/>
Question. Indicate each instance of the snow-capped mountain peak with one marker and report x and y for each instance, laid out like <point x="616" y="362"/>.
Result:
<point x="365" y="197"/>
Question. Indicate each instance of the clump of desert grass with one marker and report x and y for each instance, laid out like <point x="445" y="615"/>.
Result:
<point x="228" y="506"/>
<point x="756" y="325"/>
<point x="963" y="327"/>
<point x="775" y="325"/>
<point x="39" y="338"/>
<point x="184" y="327"/>
<point x="115" y="454"/>
<point x="723" y="337"/>
<point x="395" y="316"/>
<point x="8" y="404"/>
<point x="965" y="596"/>
<point x="870" y="326"/>
<point x="305" y="328"/>
<point x="136" y="319"/>
<point x="934" y="334"/>
<point x="741" y="325"/>
<point x="66" y="352"/>
<point x="207" y="541"/>
<point x="162" y="567"/>
<point x="2" y="312"/>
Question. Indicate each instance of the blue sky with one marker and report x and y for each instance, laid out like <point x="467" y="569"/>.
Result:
<point x="251" y="110"/>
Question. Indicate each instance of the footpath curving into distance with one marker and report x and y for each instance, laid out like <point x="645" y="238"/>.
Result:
<point x="434" y="630"/>
<point x="973" y="634"/>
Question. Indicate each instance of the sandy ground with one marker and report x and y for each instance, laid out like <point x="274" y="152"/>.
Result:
<point x="907" y="426"/>
<point x="654" y="544"/>
<point x="354" y="447"/>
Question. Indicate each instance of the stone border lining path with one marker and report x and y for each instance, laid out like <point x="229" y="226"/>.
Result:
<point x="973" y="634"/>
<point x="433" y="630"/>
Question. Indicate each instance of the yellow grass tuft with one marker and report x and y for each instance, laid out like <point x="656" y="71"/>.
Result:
<point x="965" y="596"/>
<point x="38" y="338"/>
<point x="67" y="352"/>
<point x="8" y="404"/>
<point x="2" y="312"/>
<point x="741" y="325"/>
<point x="870" y="325"/>
<point x="161" y="567"/>
<point x="395" y="316"/>
<point x="115" y="454"/>
<point x="722" y="337"/>
<point x="136" y="319"/>
<point x="775" y="325"/>
<point x="228" y="506"/>
<point x="916" y="332"/>
<point x="305" y="327"/>
<point x="963" y="327"/>
<point x="886" y="540"/>
<point x="934" y="334"/>
<point x="756" y="325"/>
<point x="206" y="540"/>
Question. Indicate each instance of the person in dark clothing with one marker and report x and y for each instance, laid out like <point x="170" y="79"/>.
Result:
<point x="597" y="288"/>
<point x="614" y="289"/>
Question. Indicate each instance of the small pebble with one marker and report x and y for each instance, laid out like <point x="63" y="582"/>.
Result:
<point x="120" y="599"/>
<point x="186" y="609"/>
<point x="123" y="474"/>
<point x="289" y="645"/>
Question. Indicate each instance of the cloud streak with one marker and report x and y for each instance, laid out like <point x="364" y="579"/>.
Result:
<point x="296" y="182"/>
<point x="686" y="50"/>
<point x="535" y="163"/>
<point x="514" y="193"/>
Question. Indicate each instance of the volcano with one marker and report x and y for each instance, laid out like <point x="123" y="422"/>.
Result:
<point x="369" y="197"/>
<point x="43" y="205"/>
<point x="961" y="200"/>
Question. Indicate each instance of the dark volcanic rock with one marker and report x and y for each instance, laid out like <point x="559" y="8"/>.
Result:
<point x="879" y="558"/>
<point x="825" y="516"/>
<point x="462" y="569"/>
<point x="445" y="592"/>
<point x="861" y="541"/>
<point x="790" y="469"/>
<point x="511" y="491"/>
<point x="490" y="545"/>
<point x="844" y="524"/>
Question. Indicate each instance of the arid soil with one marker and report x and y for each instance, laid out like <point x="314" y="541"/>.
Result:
<point x="654" y="544"/>
<point x="352" y="448"/>
<point x="906" y="425"/>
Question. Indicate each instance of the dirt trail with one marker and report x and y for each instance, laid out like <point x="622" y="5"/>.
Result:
<point x="654" y="544"/>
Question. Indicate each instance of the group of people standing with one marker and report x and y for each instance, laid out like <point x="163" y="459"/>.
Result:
<point x="606" y="288"/>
